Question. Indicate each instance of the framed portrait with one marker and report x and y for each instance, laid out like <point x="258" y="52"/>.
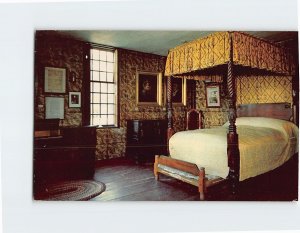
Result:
<point x="148" y="88"/>
<point x="213" y="96"/>
<point x="55" y="80"/>
<point x="178" y="91"/>
<point x="74" y="99"/>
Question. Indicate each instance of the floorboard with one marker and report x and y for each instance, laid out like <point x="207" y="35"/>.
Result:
<point x="127" y="181"/>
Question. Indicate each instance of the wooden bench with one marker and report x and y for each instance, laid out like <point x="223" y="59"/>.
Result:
<point x="186" y="172"/>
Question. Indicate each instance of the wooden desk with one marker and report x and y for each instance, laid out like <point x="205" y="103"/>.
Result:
<point x="69" y="155"/>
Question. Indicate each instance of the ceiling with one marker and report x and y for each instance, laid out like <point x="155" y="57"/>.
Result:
<point x="159" y="42"/>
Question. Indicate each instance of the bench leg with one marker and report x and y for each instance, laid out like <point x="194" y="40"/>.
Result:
<point x="202" y="196"/>
<point x="156" y="175"/>
<point x="201" y="184"/>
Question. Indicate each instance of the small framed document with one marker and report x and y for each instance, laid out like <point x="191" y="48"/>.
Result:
<point x="55" y="80"/>
<point x="54" y="107"/>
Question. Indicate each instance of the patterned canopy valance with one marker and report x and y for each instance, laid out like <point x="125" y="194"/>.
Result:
<point x="214" y="50"/>
<point x="210" y="78"/>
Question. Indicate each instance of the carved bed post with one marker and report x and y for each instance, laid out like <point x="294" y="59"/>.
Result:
<point x="233" y="152"/>
<point x="170" y="130"/>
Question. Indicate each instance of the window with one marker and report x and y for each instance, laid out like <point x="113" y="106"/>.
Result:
<point x="103" y="86"/>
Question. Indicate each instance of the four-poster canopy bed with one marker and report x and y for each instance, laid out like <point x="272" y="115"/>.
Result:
<point x="208" y="58"/>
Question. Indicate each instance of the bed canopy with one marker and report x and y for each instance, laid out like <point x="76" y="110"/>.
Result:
<point x="203" y="58"/>
<point x="217" y="49"/>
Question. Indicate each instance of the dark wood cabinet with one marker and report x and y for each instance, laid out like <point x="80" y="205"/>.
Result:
<point x="145" y="139"/>
<point x="68" y="155"/>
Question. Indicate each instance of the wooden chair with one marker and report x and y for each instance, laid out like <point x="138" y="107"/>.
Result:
<point x="193" y="119"/>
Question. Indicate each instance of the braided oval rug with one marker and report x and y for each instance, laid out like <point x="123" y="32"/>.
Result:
<point x="75" y="190"/>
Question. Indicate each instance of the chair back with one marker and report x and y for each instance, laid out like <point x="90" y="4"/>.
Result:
<point x="193" y="119"/>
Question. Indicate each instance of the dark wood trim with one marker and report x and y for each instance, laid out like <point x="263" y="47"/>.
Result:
<point x="118" y="62"/>
<point x="86" y="86"/>
<point x="295" y="86"/>
<point x="170" y="130"/>
<point x="282" y="111"/>
<point x="233" y="152"/>
<point x="191" y="93"/>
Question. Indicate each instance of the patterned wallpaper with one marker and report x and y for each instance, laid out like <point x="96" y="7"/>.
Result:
<point x="111" y="142"/>
<point x="54" y="51"/>
<point x="212" y="116"/>
<point x="264" y="89"/>
<point x="129" y="63"/>
<point x="250" y="89"/>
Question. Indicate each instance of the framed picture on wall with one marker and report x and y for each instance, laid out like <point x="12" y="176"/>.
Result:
<point x="74" y="99"/>
<point x="55" y="80"/>
<point x="54" y="107"/>
<point x="178" y="91"/>
<point x="213" y="99"/>
<point x="148" y="88"/>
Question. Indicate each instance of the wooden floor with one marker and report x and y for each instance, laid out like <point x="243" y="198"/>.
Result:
<point x="127" y="181"/>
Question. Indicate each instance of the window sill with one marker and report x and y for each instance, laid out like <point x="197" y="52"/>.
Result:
<point x="107" y="127"/>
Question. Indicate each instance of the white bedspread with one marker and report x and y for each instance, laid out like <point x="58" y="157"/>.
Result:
<point x="264" y="145"/>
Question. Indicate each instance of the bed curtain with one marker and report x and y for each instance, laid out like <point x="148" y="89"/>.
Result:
<point x="214" y="50"/>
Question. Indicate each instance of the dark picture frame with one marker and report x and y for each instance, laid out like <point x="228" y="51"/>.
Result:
<point x="178" y="91"/>
<point x="213" y="99"/>
<point x="148" y="88"/>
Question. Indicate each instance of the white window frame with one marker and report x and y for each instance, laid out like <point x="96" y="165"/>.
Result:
<point x="93" y="104"/>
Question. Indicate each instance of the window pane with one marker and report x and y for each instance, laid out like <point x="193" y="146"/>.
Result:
<point x="110" y="56"/>
<point x="102" y="76"/>
<point x="103" y="55"/>
<point x="96" y="120"/>
<point x="102" y="66"/>
<point x="95" y="109"/>
<point x="110" y="67"/>
<point x="95" y="75"/>
<point x="110" y="77"/>
<point x="110" y="98"/>
<point x="95" y="98"/>
<point x="103" y="120"/>
<point x="96" y="87"/>
<point x="95" y="65"/>
<point x="95" y="54"/>
<point x="110" y="119"/>
<point x="102" y="104"/>
<point x="110" y="88"/>
<point x="110" y="109"/>
<point x="92" y="119"/>
<point x="103" y="98"/>
<point x="103" y="108"/>
<point x="104" y="87"/>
